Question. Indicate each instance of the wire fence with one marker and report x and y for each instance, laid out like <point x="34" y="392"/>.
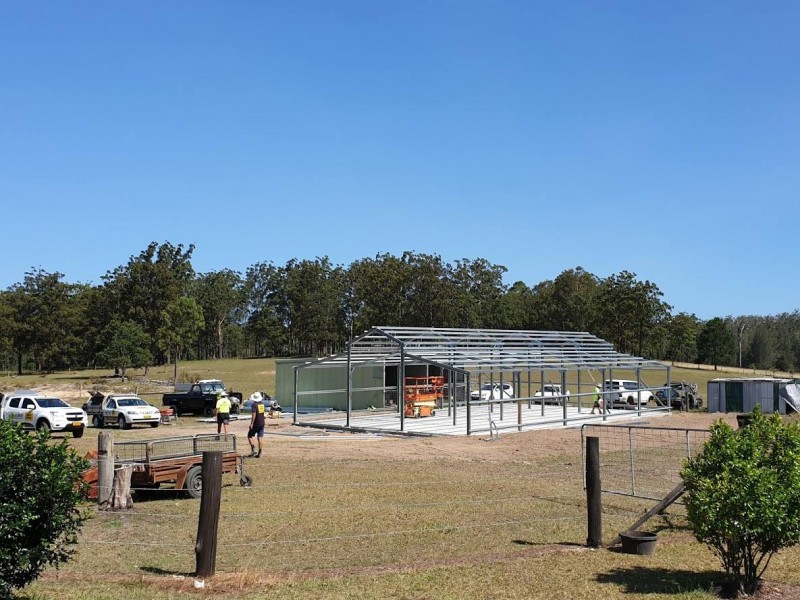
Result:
<point x="642" y="462"/>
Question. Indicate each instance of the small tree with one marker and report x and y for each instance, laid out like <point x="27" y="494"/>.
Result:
<point x="743" y="495"/>
<point x="40" y="489"/>
<point x="126" y="346"/>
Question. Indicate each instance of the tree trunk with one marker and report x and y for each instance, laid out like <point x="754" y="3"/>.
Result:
<point x="121" y="494"/>
<point x="175" y="368"/>
<point x="219" y="336"/>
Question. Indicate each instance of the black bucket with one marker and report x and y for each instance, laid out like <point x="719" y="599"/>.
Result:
<point x="638" y="542"/>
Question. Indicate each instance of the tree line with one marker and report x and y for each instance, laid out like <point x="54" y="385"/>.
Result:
<point x="156" y="309"/>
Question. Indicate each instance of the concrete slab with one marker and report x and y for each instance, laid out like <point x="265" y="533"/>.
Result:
<point x="512" y="418"/>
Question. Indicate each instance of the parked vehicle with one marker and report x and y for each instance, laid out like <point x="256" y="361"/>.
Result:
<point x="492" y="391"/>
<point x="625" y="393"/>
<point x="43" y="413"/>
<point x="124" y="410"/>
<point x="681" y="395"/>
<point x="552" y="394"/>
<point x="201" y="398"/>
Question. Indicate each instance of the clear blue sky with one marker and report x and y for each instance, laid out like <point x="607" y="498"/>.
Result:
<point x="658" y="137"/>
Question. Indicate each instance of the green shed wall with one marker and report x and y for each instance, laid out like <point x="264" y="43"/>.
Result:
<point x="329" y="378"/>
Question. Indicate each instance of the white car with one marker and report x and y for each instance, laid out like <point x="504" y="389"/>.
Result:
<point x="491" y="391"/>
<point x="43" y="413"/>
<point x="551" y="393"/>
<point x="626" y="392"/>
<point x="123" y="410"/>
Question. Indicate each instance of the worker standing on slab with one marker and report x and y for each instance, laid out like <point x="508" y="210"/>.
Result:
<point x="223" y="411"/>
<point x="257" y="415"/>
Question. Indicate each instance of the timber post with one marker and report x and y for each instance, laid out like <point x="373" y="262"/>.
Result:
<point x="593" y="487"/>
<point x="105" y="469"/>
<point x="208" y="521"/>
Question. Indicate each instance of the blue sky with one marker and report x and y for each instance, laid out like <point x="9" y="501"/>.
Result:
<point x="661" y="138"/>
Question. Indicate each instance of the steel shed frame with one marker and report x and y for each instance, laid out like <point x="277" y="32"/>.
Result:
<point x="488" y="355"/>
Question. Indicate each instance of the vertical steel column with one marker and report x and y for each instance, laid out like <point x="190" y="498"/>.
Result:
<point x="451" y="399"/>
<point x="639" y="391"/>
<point x="541" y="391"/>
<point x="564" y="394"/>
<point x="580" y="398"/>
<point x="668" y="391"/>
<point x="469" y="400"/>
<point x="502" y="396"/>
<point x="349" y="387"/>
<point x="632" y="461"/>
<point x="606" y="395"/>
<point x="529" y="388"/>
<point x="401" y="388"/>
<point x="294" y="418"/>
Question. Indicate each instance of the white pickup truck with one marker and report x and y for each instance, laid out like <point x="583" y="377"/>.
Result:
<point x="43" y="413"/>
<point x="124" y="410"/>
<point x="552" y="393"/>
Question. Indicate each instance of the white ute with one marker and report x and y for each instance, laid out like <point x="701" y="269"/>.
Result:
<point x="625" y="392"/>
<point x="125" y="410"/>
<point x="552" y="393"/>
<point x="491" y="391"/>
<point x="43" y="413"/>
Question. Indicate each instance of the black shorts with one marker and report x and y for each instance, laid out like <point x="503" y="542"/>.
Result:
<point x="255" y="431"/>
<point x="223" y="418"/>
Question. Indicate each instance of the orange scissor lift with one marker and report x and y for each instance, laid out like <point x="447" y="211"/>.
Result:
<point x="422" y="395"/>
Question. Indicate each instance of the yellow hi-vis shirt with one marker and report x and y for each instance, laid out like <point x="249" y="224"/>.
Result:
<point x="223" y="405"/>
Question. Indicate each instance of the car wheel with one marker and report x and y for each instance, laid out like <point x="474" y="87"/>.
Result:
<point x="175" y="409"/>
<point x="43" y="426"/>
<point x="194" y="482"/>
<point x="77" y="433"/>
<point x="154" y="425"/>
<point x="97" y="422"/>
<point x="123" y="424"/>
<point x="208" y="411"/>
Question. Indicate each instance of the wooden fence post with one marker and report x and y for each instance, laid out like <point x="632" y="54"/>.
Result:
<point x="121" y="495"/>
<point x="593" y="502"/>
<point x="105" y="469"/>
<point x="205" y="548"/>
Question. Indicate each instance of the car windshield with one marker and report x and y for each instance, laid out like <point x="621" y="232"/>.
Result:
<point x="52" y="403"/>
<point x="488" y="387"/>
<point x="131" y="402"/>
<point x="551" y="388"/>
<point x="212" y="388"/>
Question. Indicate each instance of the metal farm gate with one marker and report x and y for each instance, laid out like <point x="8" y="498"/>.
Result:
<point x="642" y="462"/>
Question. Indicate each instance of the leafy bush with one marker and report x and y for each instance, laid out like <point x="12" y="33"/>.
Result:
<point x="743" y="495"/>
<point x="40" y="492"/>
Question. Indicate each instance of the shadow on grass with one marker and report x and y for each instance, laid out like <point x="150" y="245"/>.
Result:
<point x="159" y="571"/>
<point x="648" y="580"/>
<point x="565" y="544"/>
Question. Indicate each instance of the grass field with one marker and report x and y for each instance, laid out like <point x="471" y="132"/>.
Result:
<point x="346" y="516"/>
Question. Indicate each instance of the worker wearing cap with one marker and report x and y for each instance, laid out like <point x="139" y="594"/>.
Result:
<point x="223" y="412"/>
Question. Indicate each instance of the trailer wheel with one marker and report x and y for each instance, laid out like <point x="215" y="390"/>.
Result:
<point x="194" y="482"/>
<point x="246" y="481"/>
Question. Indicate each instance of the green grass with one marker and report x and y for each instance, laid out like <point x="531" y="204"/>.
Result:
<point x="381" y="518"/>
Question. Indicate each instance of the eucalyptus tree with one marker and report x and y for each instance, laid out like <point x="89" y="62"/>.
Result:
<point x="316" y="315"/>
<point x="682" y="331"/>
<point x="126" y="346"/>
<point x="221" y="294"/>
<point x="716" y="343"/>
<point x="141" y="290"/>
<point x="567" y="303"/>
<point x="481" y="282"/>
<point x="46" y="319"/>
<point x="267" y="307"/>
<point x="629" y="311"/>
<point x="182" y="321"/>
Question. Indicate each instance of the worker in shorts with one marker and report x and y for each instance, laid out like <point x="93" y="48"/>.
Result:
<point x="223" y="412"/>
<point x="598" y="400"/>
<point x="256" y="430"/>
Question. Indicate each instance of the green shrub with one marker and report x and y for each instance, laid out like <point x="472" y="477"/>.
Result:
<point x="743" y="495"/>
<point x="40" y="492"/>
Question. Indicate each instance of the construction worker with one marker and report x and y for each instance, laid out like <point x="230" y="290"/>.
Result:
<point x="257" y="416"/>
<point x="223" y="412"/>
<point x="598" y="400"/>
